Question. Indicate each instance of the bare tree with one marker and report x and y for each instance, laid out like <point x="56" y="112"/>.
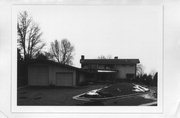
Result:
<point x="29" y="36"/>
<point x="55" y="50"/>
<point x="105" y="57"/>
<point x="19" y="57"/>
<point x="43" y="56"/>
<point x="101" y="57"/>
<point x="139" y="70"/>
<point x="62" y="51"/>
<point x="108" y="57"/>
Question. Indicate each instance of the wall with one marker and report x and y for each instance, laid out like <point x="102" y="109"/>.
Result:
<point x="81" y="77"/>
<point x="38" y="80"/>
<point x="125" y="69"/>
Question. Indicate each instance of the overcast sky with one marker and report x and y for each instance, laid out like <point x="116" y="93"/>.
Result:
<point x="124" y="31"/>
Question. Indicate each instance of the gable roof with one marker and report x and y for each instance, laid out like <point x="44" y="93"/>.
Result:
<point x="109" y="61"/>
<point x="50" y="62"/>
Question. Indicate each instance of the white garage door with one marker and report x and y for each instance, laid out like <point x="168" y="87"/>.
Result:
<point x="38" y="76"/>
<point x="64" y="79"/>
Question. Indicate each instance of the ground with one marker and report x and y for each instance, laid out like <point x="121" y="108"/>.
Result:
<point x="63" y="96"/>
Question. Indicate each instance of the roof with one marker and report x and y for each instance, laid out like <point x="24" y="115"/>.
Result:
<point x="49" y="62"/>
<point x="109" y="61"/>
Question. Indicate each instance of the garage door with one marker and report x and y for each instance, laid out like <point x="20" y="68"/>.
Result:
<point x="64" y="79"/>
<point x="38" y="76"/>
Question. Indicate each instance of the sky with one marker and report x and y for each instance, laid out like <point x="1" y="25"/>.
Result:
<point x="132" y="31"/>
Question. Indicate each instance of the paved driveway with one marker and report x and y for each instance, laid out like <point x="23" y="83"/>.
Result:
<point x="63" y="96"/>
<point x="51" y="95"/>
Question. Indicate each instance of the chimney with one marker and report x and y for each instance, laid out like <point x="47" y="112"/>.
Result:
<point x="116" y="57"/>
<point x="82" y="57"/>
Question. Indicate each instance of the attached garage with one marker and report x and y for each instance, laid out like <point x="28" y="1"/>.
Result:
<point x="50" y="73"/>
<point x="64" y="79"/>
<point x="38" y="75"/>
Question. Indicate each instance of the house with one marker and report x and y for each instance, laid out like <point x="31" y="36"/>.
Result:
<point x="46" y="73"/>
<point x="50" y="73"/>
<point x="109" y="69"/>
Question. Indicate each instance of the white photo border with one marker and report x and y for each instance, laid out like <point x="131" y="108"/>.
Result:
<point x="80" y="109"/>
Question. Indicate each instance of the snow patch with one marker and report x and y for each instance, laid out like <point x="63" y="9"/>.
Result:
<point x="138" y="88"/>
<point x="93" y="92"/>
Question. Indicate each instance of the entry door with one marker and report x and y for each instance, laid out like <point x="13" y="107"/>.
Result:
<point x="64" y="79"/>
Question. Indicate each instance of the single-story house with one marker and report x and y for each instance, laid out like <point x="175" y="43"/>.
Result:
<point x="46" y="73"/>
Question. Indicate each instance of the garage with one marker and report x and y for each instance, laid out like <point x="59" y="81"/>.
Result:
<point x="38" y="75"/>
<point x="50" y="73"/>
<point x="64" y="79"/>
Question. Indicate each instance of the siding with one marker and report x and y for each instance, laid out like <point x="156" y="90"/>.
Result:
<point x="81" y="77"/>
<point x="125" y="69"/>
<point x="38" y="75"/>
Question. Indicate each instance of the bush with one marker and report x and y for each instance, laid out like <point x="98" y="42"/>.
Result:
<point x="145" y="79"/>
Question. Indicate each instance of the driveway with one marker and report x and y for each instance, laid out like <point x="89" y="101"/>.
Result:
<point x="62" y="96"/>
